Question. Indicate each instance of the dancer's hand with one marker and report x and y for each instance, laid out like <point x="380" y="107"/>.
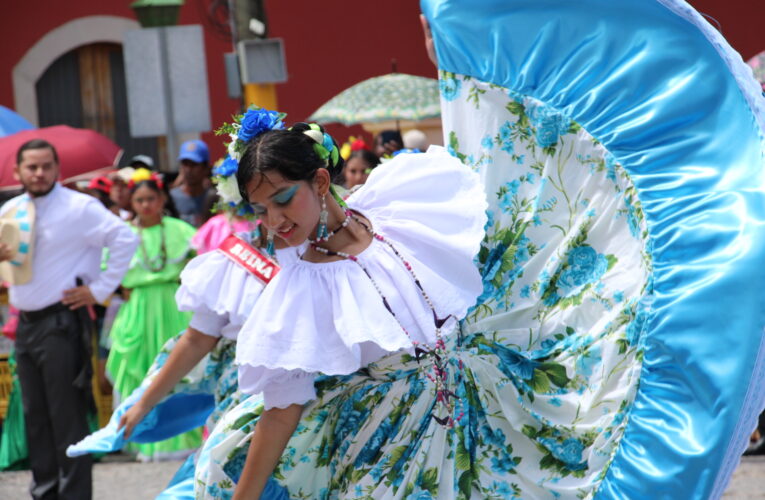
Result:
<point x="131" y="418"/>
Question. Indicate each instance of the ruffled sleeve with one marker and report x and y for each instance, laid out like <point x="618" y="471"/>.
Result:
<point x="434" y="207"/>
<point x="221" y="293"/>
<point x="329" y="318"/>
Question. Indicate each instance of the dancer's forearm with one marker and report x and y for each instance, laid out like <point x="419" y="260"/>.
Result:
<point x="272" y="432"/>
<point x="190" y="349"/>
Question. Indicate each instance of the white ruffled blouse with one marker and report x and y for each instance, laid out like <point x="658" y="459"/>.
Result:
<point x="221" y="293"/>
<point x="328" y="317"/>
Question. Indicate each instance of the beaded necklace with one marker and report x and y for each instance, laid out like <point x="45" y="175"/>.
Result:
<point x="439" y="375"/>
<point x="148" y="263"/>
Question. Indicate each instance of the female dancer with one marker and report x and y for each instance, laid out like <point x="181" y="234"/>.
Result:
<point x="219" y="289"/>
<point x="150" y="316"/>
<point x="372" y="304"/>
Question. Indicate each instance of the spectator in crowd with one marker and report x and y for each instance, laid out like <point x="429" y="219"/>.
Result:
<point x="142" y="161"/>
<point x="119" y="192"/>
<point x="192" y="195"/>
<point x="62" y="235"/>
<point x="150" y="315"/>
<point x="100" y="188"/>
<point x="416" y="139"/>
<point x="358" y="167"/>
<point x="387" y="142"/>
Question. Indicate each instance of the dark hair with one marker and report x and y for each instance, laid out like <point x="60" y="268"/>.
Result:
<point x="149" y="183"/>
<point x="35" y="144"/>
<point x="366" y="155"/>
<point x="289" y="152"/>
<point x="391" y="135"/>
<point x="169" y="208"/>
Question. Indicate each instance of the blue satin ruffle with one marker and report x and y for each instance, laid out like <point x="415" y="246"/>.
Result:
<point x="175" y="415"/>
<point x="676" y="107"/>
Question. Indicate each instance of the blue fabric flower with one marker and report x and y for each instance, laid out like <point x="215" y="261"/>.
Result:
<point x="514" y="364"/>
<point x="328" y="144"/>
<point x="502" y="464"/>
<point x="257" y="121"/>
<point x="610" y="167"/>
<point x="228" y="167"/>
<point x="568" y="452"/>
<point x="637" y="325"/>
<point x="449" y="87"/>
<point x="506" y="139"/>
<point x="586" y="266"/>
<point x="549" y="124"/>
<point x="419" y="494"/>
<point x="489" y="220"/>
<point x="586" y="362"/>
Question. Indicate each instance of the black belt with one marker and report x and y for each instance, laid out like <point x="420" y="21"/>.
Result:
<point x="32" y="316"/>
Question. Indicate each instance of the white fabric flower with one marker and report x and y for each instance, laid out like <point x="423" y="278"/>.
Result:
<point x="228" y="189"/>
<point x="232" y="152"/>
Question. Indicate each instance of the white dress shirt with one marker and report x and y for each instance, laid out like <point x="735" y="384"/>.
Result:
<point x="70" y="231"/>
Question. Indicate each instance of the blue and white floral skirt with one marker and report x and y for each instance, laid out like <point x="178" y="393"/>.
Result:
<point x="372" y="434"/>
<point x="551" y="353"/>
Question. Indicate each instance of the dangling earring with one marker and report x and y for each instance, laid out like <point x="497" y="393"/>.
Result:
<point x="255" y="235"/>
<point x="321" y="231"/>
<point x="270" y="242"/>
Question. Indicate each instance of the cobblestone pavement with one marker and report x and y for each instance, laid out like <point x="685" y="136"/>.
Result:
<point x="117" y="479"/>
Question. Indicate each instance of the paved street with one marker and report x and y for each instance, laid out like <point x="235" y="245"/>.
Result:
<point x="113" y="479"/>
<point x="120" y="480"/>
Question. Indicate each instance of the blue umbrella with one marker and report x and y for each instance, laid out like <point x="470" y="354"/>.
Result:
<point x="12" y="122"/>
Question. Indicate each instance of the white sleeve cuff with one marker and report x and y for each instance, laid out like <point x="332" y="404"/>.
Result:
<point x="208" y="322"/>
<point x="297" y="388"/>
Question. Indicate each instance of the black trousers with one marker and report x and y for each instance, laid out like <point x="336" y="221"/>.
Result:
<point x="49" y="357"/>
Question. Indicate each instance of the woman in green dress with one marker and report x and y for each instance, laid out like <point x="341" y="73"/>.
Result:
<point x="150" y="316"/>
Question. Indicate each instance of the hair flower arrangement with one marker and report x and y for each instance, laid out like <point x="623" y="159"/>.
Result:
<point x="353" y="144"/>
<point x="244" y="128"/>
<point x="144" y="174"/>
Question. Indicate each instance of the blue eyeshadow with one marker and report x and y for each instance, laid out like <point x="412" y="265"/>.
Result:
<point x="286" y="195"/>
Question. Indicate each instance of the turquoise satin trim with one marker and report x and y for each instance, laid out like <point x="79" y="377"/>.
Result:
<point x="656" y="92"/>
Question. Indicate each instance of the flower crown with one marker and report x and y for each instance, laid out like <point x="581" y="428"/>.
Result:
<point x="244" y="128"/>
<point x="144" y="174"/>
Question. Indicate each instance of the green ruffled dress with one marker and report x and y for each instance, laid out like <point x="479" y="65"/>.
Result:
<point x="149" y="318"/>
<point x="14" y="454"/>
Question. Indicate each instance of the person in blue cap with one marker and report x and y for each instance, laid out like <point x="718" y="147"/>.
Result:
<point x="191" y="197"/>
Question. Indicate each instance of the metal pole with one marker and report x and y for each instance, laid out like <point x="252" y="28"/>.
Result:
<point x="232" y="23"/>
<point x="171" y="134"/>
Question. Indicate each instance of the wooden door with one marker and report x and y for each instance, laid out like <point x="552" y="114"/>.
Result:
<point x="86" y="88"/>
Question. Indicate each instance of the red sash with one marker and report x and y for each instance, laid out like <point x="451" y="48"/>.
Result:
<point x="249" y="258"/>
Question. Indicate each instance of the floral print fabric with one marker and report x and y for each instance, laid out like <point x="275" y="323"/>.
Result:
<point x="550" y="355"/>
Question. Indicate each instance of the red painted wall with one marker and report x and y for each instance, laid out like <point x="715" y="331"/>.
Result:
<point x="741" y="22"/>
<point x="330" y="45"/>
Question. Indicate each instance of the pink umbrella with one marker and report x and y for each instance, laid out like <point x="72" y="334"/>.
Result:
<point x="80" y="151"/>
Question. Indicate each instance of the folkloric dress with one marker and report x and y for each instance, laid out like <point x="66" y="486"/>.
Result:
<point x="151" y="317"/>
<point x="322" y="336"/>
<point x="624" y="234"/>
